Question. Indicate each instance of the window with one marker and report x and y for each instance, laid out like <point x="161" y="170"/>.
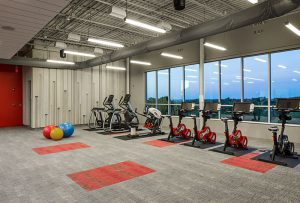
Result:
<point x="177" y="85"/>
<point x="192" y="83"/>
<point x="256" y="86"/>
<point x="163" y="86"/>
<point x="230" y="81"/>
<point x="151" y="87"/>
<point x="163" y="91"/>
<point x="285" y="80"/>
<point x="211" y="82"/>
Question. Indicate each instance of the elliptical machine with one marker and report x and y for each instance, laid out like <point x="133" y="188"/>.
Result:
<point x="205" y="135"/>
<point x="130" y="117"/>
<point x="236" y="140"/>
<point x="282" y="147"/>
<point x="96" y="119"/>
<point x="181" y="131"/>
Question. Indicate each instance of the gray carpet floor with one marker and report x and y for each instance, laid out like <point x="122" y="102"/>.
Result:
<point x="183" y="174"/>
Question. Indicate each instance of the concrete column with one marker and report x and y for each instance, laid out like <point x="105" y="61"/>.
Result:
<point x="201" y="74"/>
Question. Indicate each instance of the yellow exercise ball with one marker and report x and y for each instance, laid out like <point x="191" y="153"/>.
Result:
<point x="57" y="134"/>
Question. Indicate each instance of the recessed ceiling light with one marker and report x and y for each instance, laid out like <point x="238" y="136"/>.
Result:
<point x="293" y="28"/>
<point x="106" y="43"/>
<point x="115" y="68"/>
<point x="140" y="62"/>
<point x="253" y="1"/>
<point x="60" y="62"/>
<point x="171" y="55"/>
<point x="79" y="53"/>
<point x="144" y="25"/>
<point x="214" y="46"/>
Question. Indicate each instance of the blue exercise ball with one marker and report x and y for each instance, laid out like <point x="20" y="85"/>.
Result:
<point x="67" y="128"/>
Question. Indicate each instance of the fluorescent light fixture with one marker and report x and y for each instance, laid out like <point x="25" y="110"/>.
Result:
<point x="74" y="37"/>
<point x="253" y="1"/>
<point x="60" y="45"/>
<point x="140" y="62"/>
<point x="105" y="43"/>
<point x="60" y="62"/>
<point x="192" y="76"/>
<point x="79" y="53"/>
<point x="256" y="79"/>
<point x="144" y="25"/>
<point x="213" y="83"/>
<point x="247" y="70"/>
<point x="296" y="71"/>
<point x="192" y="70"/>
<point x="293" y="28"/>
<point x="282" y="66"/>
<point x="236" y="81"/>
<point x="171" y="55"/>
<point x="214" y="46"/>
<point x="260" y="60"/>
<point x="216" y="73"/>
<point x="250" y="82"/>
<point x="225" y="83"/>
<point x="115" y="68"/>
<point x="295" y="80"/>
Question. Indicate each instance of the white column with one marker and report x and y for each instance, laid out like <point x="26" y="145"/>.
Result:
<point x="127" y="76"/>
<point x="201" y="74"/>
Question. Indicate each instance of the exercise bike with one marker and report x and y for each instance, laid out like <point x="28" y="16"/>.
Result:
<point x="205" y="135"/>
<point x="153" y="122"/>
<point x="236" y="140"/>
<point x="282" y="147"/>
<point x="181" y="130"/>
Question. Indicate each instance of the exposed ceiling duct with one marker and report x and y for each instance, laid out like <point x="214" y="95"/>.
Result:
<point x="264" y="11"/>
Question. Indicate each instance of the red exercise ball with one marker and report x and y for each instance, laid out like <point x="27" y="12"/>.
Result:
<point x="47" y="131"/>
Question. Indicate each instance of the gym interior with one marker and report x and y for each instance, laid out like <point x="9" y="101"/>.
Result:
<point x="149" y="101"/>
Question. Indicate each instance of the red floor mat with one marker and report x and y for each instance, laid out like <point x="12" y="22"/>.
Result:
<point x="246" y="162"/>
<point x="159" y="143"/>
<point x="60" y="148"/>
<point x="108" y="175"/>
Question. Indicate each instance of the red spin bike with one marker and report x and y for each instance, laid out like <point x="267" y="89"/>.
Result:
<point x="236" y="139"/>
<point x="181" y="130"/>
<point x="205" y="135"/>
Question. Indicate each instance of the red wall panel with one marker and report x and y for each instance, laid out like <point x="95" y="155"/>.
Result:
<point x="11" y="97"/>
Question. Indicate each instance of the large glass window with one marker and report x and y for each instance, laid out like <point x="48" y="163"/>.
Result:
<point x="163" y="86"/>
<point x="192" y="83"/>
<point x="211" y="82"/>
<point x="285" y="79"/>
<point x="151" y="87"/>
<point x="177" y="85"/>
<point x="230" y="81"/>
<point x="256" y="86"/>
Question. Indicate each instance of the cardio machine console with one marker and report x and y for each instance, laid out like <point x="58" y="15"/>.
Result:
<point x="288" y="105"/>
<point x="212" y="107"/>
<point x="187" y="106"/>
<point x="243" y="107"/>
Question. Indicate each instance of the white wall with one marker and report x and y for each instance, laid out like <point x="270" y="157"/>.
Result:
<point x="69" y="95"/>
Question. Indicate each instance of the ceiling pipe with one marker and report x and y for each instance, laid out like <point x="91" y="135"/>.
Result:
<point x="264" y="11"/>
<point x="21" y="61"/>
<point x="260" y="12"/>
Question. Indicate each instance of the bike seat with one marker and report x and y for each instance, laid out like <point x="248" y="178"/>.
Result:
<point x="273" y="129"/>
<point x="224" y="119"/>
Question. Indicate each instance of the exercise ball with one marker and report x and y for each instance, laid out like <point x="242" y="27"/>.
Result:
<point x="47" y="131"/>
<point x="57" y="134"/>
<point x="67" y="128"/>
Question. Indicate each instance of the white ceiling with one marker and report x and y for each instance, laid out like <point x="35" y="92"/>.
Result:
<point x="27" y="17"/>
